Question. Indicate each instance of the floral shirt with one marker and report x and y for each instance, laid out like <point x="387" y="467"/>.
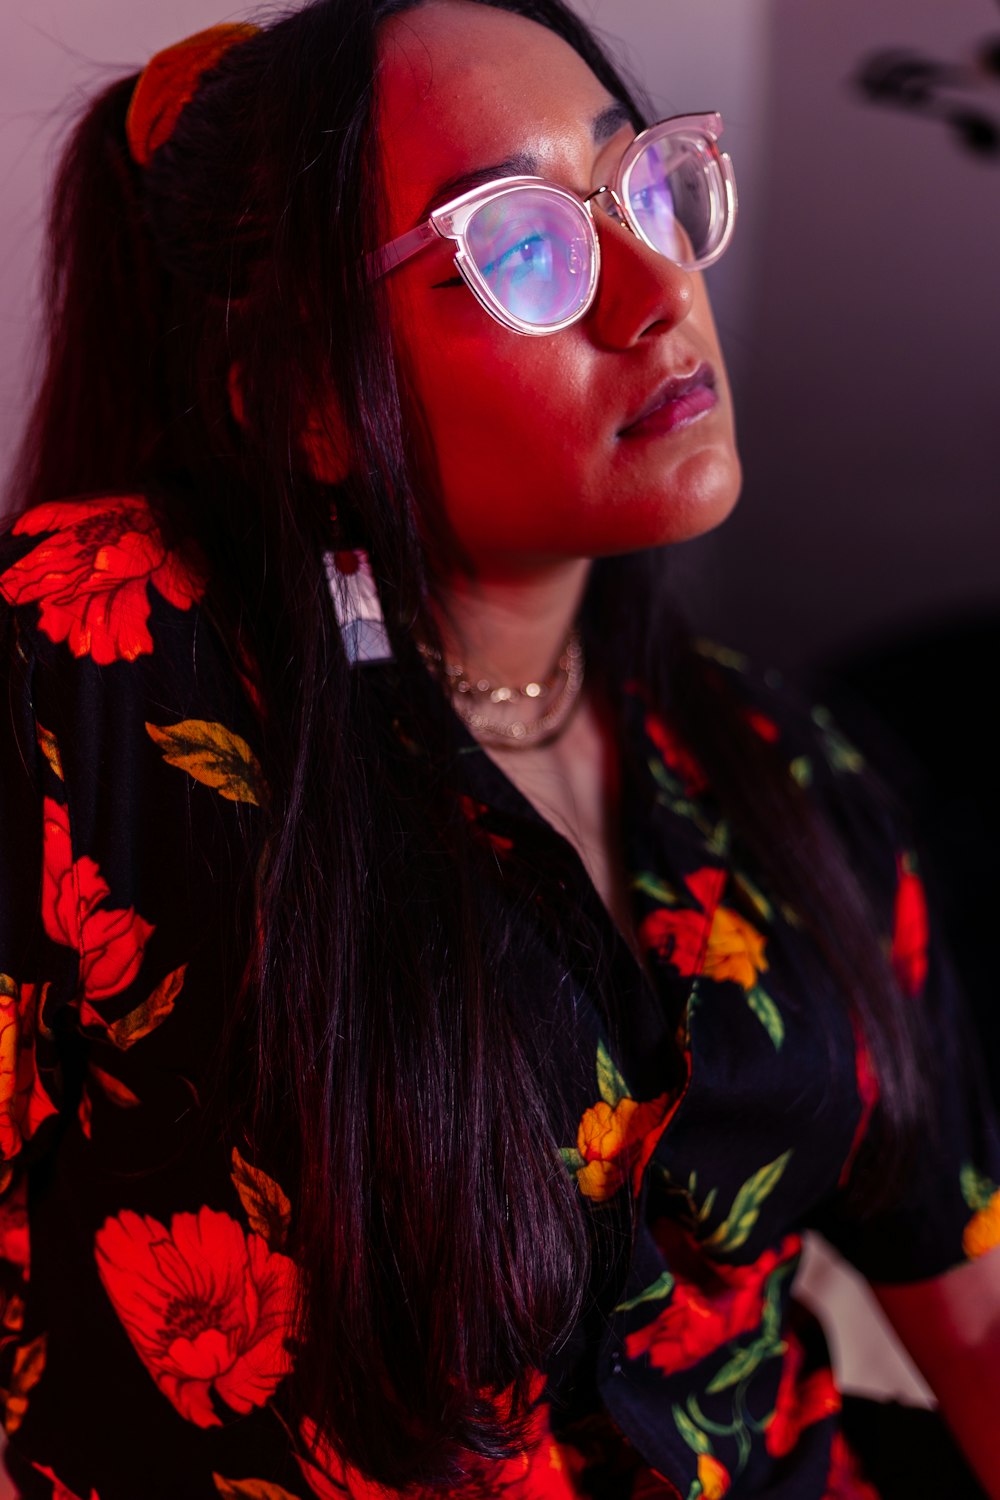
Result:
<point x="144" y="1284"/>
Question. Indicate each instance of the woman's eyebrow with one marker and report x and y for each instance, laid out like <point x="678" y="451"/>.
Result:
<point x="522" y="164"/>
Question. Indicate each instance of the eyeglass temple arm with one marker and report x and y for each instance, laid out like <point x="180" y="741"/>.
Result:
<point x="398" y="250"/>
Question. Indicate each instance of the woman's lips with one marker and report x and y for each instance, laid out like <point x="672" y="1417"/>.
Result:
<point x="676" y="403"/>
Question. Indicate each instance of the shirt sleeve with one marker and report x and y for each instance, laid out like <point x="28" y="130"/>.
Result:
<point x="947" y="1210"/>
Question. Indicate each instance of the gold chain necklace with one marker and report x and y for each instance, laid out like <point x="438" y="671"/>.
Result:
<point x="469" y="692"/>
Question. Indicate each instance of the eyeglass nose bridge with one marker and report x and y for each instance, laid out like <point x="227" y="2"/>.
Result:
<point x="615" y="210"/>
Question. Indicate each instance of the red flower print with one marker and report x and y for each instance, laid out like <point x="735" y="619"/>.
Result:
<point x="679" y="936"/>
<point x="110" y="942"/>
<point x="207" y="1307"/>
<point x="544" y="1470"/>
<point x="703" y="1314"/>
<point x="845" y="1480"/>
<point x="766" y="728"/>
<point x="15" y="1245"/>
<point x="91" y="575"/>
<point x="798" y="1403"/>
<point x="59" y="1490"/>
<point x="676" y="755"/>
<point x="868" y="1093"/>
<point x="474" y="812"/>
<point x="909" y="928"/>
<point x="24" y="1104"/>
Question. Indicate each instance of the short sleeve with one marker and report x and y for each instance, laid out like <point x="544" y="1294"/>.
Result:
<point x="947" y="1211"/>
<point x="948" y="1208"/>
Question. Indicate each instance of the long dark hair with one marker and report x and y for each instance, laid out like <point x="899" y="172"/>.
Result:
<point x="443" y="1255"/>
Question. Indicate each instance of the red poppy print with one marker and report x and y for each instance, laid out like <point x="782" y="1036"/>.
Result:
<point x="61" y="1491"/>
<point x="909" y="928"/>
<point x="207" y="1307"/>
<point x="676" y="755"/>
<point x="110" y="941"/>
<point x="24" y="1104"/>
<point x="91" y="575"/>
<point x="868" y="1092"/>
<point x="763" y="726"/>
<point x="681" y="934"/>
<point x="544" y="1470"/>
<point x="711" y="1304"/>
<point x="845" y="1480"/>
<point x="15" y="1243"/>
<point x="799" y="1402"/>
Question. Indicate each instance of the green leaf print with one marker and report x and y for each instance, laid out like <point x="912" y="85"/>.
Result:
<point x="692" y="1435"/>
<point x="754" y="895"/>
<point x="657" y="889"/>
<point x="735" y="1230"/>
<point x="801" y="770"/>
<point x="767" y="1014"/>
<point x="977" y="1188"/>
<point x="660" y="1288"/>
<point x="743" y="1364"/>
<point x="610" y="1084"/>
<point x="571" y="1158"/>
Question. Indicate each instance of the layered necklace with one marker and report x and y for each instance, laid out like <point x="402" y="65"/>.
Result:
<point x="495" y="712"/>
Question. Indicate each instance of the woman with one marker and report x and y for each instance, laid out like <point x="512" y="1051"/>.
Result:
<point x="429" y="1028"/>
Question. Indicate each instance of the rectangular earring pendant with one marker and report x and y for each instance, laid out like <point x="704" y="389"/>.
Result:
<point x="357" y="605"/>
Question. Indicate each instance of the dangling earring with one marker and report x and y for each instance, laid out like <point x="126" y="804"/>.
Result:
<point x="359" y="610"/>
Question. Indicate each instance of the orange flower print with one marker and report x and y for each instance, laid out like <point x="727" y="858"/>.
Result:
<point x="617" y="1140"/>
<point x="24" y="1104"/>
<point x="207" y="1307"/>
<point x="909" y="928"/>
<point x="710" y="1305"/>
<point x="735" y="949"/>
<point x="713" y="940"/>
<point x="110" y="941"/>
<point x="91" y="575"/>
<point x="982" y="1232"/>
<point x="544" y="1470"/>
<point x="799" y="1403"/>
<point x="713" y="1477"/>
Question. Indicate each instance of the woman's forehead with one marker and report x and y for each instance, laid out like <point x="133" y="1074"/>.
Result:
<point x="464" y="85"/>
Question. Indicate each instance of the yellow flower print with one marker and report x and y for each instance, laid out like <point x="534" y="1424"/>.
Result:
<point x="609" y="1140"/>
<point x="983" y="1230"/>
<point x="735" y="949"/>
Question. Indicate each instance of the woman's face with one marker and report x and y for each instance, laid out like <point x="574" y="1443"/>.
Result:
<point x="532" y="449"/>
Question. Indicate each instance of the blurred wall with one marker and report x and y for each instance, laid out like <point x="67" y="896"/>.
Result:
<point x="858" y="306"/>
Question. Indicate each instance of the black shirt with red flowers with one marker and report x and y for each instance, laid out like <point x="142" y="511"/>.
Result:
<point x="145" y="1287"/>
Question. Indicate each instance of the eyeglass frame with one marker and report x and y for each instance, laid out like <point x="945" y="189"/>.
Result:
<point x="449" y="222"/>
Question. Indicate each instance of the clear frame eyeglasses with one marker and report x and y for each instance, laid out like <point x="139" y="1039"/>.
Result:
<point x="528" y="249"/>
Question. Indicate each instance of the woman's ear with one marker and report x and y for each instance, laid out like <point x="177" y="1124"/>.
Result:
<point x="323" y="441"/>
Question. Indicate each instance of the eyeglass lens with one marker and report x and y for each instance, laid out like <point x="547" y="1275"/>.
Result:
<point x="672" y="191"/>
<point x="533" y="249"/>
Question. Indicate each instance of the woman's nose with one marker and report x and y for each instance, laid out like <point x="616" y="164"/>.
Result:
<point x="640" y="291"/>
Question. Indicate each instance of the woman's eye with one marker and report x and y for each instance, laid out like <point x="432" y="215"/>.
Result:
<point x="528" y="253"/>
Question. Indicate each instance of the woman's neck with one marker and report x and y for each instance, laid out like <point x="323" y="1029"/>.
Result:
<point x="510" y="630"/>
